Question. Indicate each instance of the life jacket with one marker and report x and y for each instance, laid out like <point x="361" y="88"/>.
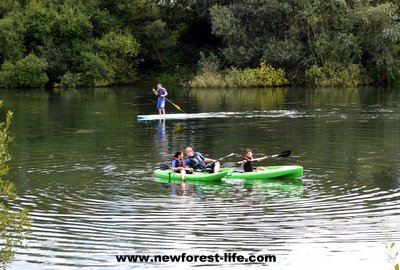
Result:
<point x="248" y="164"/>
<point x="196" y="162"/>
<point x="160" y="92"/>
<point x="176" y="162"/>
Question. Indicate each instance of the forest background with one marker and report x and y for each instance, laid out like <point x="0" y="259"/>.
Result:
<point x="207" y="43"/>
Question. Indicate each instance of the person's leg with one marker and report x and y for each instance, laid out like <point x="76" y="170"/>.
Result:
<point x="162" y="106"/>
<point x="216" y="166"/>
<point x="183" y="175"/>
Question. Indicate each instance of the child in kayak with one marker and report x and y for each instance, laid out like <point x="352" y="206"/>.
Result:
<point x="178" y="165"/>
<point x="248" y="160"/>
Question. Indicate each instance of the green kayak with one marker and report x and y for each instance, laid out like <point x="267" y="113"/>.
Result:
<point x="196" y="176"/>
<point x="267" y="172"/>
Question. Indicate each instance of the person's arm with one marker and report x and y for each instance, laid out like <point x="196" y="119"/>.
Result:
<point x="261" y="158"/>
<point x="155" y="92"/>
<point x="165" y="93"/>
<point x="187" y="162"/>
<point x="173" y="165"/>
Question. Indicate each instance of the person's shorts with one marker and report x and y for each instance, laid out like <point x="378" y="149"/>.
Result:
<point x="160" y="103"/>
<point x="209" y="166"/>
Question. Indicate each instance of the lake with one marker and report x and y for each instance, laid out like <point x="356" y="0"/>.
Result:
<point x="83" y="167"/>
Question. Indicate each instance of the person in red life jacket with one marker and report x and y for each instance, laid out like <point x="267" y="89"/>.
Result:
<point x="248" y="161"/>
<point x="178" y="165"/>
<point x="197" y="161"/>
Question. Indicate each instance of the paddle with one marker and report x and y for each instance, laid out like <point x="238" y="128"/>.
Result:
<point x="166" y="167"/>
<point x="175" y="105"/>
<point x="285" y="153"/>
<point x="231" y="154"/>
<point x="209" y="164"/>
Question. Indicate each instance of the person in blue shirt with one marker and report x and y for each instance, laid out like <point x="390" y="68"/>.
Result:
<point x="161" y="93"/>
<point x="178" y="165"/>
<point x="197" y="161"/>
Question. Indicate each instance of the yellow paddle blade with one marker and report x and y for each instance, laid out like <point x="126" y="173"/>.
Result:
<point x="176" y="106"/>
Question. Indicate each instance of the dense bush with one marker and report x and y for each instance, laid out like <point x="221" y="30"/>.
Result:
<point x="27" y="72"/>
<point x="263" y="76"/>
<point x="334" y="74"/>
<point x="119" y="38"/>
<point x="269" y="76"/>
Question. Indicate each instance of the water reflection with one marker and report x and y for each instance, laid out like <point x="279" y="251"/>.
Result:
<point x="265" y="188"/>
<point x="162" y="140"/>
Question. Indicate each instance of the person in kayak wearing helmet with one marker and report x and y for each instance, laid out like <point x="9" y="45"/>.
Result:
<point x="178" y="165"/>
<point x="248" y="161"/>
<point x="197" y="161"/>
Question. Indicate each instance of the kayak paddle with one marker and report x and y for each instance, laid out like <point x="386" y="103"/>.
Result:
<point x="164" y="167"/>
<point x="231" y="154"/>
<point x="285" y="153"/>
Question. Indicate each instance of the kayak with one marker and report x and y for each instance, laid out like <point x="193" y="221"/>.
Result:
<point x="178" y="116"/>
<point x="195" y="176"/>
<point x="267" y="172"/>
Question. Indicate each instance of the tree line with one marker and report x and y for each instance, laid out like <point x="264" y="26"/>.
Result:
<point x="229" y="43"/>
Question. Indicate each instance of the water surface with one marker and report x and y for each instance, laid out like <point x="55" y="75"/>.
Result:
<point x="83" y="167"/>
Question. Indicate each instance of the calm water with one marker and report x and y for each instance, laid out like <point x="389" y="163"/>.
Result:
<point x="83" y="167"/>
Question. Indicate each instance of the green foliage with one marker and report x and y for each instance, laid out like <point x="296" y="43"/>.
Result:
<point x="263" y="76"/>
<point x="176" y="75"/>
<point x="159" y="36"/>
<point x="379" y="35"/>
<point x="95" y="71"/>
<point x="73" y="23"/>
<point x="246" y="28"/>
<point x="71" y="80"/>
<point x="119" y="50"/>
<point x="208" y="64"/>
<point x="12" y="32"/>
<point x="269" y="76"/>
<point x="335" y="74"/>
<point x="390" y="249"/>
<point x="40" y="21"/>
<point x="159" y="39"/>
<point x="208" y="80"/>
<point x="237" y="78"/>
<point x="27" y="72"/>
<point x="7" y="6"/>
<point x="13" y="224"/>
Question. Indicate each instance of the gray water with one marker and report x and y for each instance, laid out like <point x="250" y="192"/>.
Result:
<point x="83" y="167"/>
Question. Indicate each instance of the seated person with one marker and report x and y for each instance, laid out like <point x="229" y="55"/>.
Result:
<point x="178" y="165"/>
<point x="248" y="161"/>
<point x="197" y="161"/>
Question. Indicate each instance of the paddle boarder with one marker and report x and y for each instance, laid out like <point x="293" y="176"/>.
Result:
<point x="161" y="93"/>
<point x="197" y="161"/>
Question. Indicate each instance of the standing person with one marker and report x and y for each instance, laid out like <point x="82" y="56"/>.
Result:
<point x="248" y="161"/>
<point x="178" y="165"/>
<point x="198" y="162"/>
<point x="161" y="93"/>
